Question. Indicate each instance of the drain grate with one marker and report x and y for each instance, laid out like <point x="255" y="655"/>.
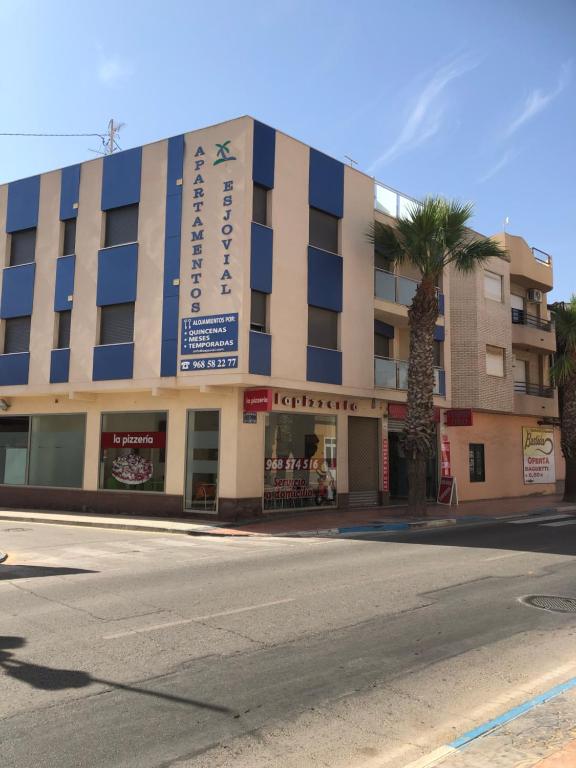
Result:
<point x="551" y="603"/>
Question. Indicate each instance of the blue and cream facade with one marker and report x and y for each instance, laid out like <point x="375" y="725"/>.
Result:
<point x="145" y="292"/>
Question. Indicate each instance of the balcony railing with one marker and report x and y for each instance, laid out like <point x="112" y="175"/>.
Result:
<point x="393" y="374"/>
<point x="398" y="289"/>
<point x="542" y="256"/>
<point x="520" y="317"/>
<point x="522" y="388"/>
<point x="392" y="202"/>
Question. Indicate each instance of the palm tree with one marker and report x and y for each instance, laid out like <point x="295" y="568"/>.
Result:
<point x="431" y="237"/>
<point x="564" y="376"/>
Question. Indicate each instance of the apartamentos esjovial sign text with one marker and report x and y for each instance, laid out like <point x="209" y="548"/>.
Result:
<point x="210" y="285"/>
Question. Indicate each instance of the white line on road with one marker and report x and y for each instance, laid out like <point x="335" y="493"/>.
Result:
<point x="527" y="520"/>
<point x="561" y="522"/>
<point x="208" y="616"/>
<point x="508" y="554"/>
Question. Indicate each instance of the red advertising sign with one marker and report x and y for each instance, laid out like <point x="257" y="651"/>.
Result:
<point x="447" y="491"/>
<point x="257" y="400"/>
<point x="445" y="469"/>
<point x="399" y="411"/>
<point x="385" y="466"/>
<point x="459" y="417"/>
<point x="133" y="440"/>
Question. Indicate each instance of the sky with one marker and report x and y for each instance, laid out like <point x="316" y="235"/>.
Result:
<point x="470" y="99"/>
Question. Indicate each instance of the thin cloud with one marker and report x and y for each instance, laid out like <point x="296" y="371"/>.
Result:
<point x="425" y="119"/>
<point x="112" y="70"/>
<point x="539" y="100"/>
<point x="505" y="160"/>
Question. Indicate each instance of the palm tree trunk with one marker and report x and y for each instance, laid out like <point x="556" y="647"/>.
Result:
<point x="419" y="436"/>
<point x="568" y="431"/>
<point x="570" y="482"/>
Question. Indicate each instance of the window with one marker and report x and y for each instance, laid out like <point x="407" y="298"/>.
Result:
<point x="383" y="262"/>
<point x="438" y="354"/>
<point x="494" y="361"/>
<point x="258" y="311"/>
<point x="202" y="459"/>
<point x="323" y="230"/>
<point x="69" y="244"/>
<point x="17" y="335"/>
<point x="22" y="247"/>
<point x="64" y="319"/>
<point x="121" y="225"/>
<point x="117" y="323"/>
<point x="381" y="345"/>
<point x="42" y="450"/>
<point x="476" y="462"/>
<point x="322" y="328"/>
<point x="493" y="286"/>
<point x="133" y="451"/>
<point x="260" y="205"/>
<point x="300" y="461"/>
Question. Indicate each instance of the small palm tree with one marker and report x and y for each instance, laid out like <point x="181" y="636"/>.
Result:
<point x="564" y="376"/>
<point x="431" y="237"/>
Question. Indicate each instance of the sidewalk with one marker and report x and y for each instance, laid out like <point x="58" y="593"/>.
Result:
<point x="328" y="522"/>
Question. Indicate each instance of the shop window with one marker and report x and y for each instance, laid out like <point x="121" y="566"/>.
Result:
<point x="381" y="345"/>
<point x="322" y="328"/>
<point x="22" y="247"/>
<point x="57" y="450"/>
<point x="117" y="323"/>
<point x="64" y="321"/>
<point x="14" y="449"/>
<point x="133" y="451"/>
<point x="258" y="302"/>
<point x="69" y="244"/>
<point x="121" y="225"/>
<point x="202" y="459"/>
<point x="323" y="230"/>
<point x="476" y="462"/>
<point x="300" y="461"/>
<point x="493" y="286"/>
<point x="260" y="205"/>
<point x="17" y="335"/>
<point x="494" y="361"/>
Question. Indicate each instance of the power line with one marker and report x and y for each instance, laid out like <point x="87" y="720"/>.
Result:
<point x="100" y="135"/>
<point x="109" y="139"/>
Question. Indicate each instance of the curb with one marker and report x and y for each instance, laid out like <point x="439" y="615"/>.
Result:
<point x="46" y="519"/>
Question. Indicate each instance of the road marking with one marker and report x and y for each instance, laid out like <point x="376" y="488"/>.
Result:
<point x="502" y="557"/>
<point x="208" y="616"/>
<point x="433" y="758"/>
<point x="561" y="522"/>
<point x="526" y="521"/>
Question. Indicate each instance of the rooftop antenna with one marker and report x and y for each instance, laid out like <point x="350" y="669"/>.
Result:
<point x="351" y="161"/>
<point x="110" y="138"/>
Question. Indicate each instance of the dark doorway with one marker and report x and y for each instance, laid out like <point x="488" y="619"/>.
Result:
<point x="399" y="472"/>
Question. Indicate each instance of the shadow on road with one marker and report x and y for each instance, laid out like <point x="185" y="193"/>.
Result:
<point x="10" y="572"/>
<point x="54" y="679"/>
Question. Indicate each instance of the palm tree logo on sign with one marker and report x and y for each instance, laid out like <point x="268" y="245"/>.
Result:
<point x="223" y="153"/>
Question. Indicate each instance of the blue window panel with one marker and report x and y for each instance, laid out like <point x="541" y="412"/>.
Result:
<point x="175" y="162"/>
<point x="121" y="178"/>
<point x="23" y="201"/>
<point x="169" y="357"/>
<point x="439" y="333"/>
<point x="442" y="382"/>
<point x="171" y="266"/>
<point x="69" y="192"/>
<point x="441" y="303"/>
<point x="324" y="365"/>
<point x="383" y="329"/>
<point x="326" y="184"/>
<point x="170" y="317"/>
<point x="261" y="258"/>
<point x="324" y="279"/>
<point x="117" y="274"/>
<point x="59" y="366"/>
<point x="260" y="353"/>
<point x="14" y="369"/>
<point x="113" y="361"/>
<point x="264" y="155"/>
<point x="17" y="291"/>
<point x="173" y="215"/>
<point x="65" y="269"/>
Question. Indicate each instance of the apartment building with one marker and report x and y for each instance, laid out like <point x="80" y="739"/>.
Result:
<point x="200" y="326"/>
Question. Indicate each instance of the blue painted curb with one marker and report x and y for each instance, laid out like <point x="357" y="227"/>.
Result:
<point x="512" y="714"/>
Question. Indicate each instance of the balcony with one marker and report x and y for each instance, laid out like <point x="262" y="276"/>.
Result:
<point x="398" y="290"/>
<point x="531" y="332"/>
<point x="535" y="400"/>
<point x="393" y="374"/>
<point x="529" y="267"/>
<point x="393" y="203"/>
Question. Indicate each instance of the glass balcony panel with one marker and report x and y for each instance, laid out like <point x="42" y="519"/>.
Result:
<point x="385" y="373"/>
<point x="406" y="290"/>
<point x="386" y="200"/>
<point x="384" y="285"/>
<point x="406" y="206"/>
<point x="402" y="374"/>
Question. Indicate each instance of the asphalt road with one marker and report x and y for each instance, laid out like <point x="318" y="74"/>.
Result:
<point x="130" y="650"/>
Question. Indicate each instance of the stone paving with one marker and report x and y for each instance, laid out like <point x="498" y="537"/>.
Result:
<point x="545" y="737"/>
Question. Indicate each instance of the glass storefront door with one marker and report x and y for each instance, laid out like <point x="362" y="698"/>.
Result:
<point x="202" y="460"/>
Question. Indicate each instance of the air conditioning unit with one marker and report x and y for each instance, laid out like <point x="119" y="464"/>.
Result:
<point x="535" y="295"/>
